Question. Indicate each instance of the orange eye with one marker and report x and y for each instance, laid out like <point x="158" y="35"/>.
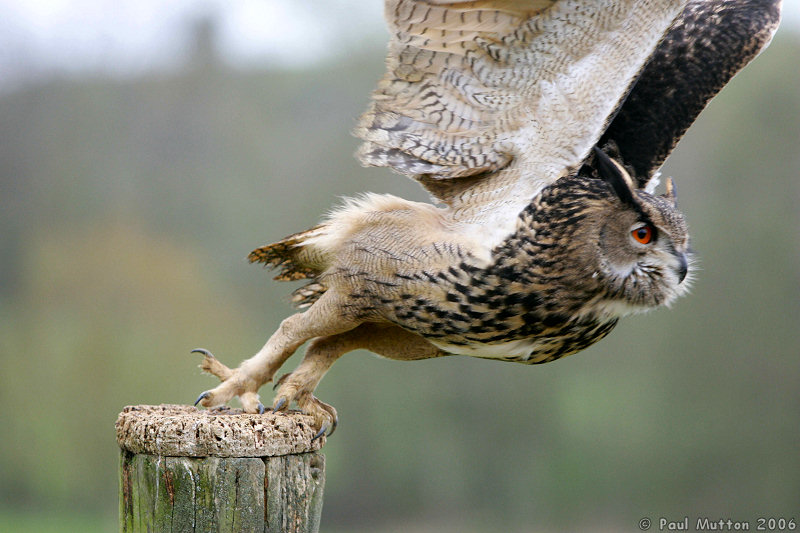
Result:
<point x="643" y="234"/>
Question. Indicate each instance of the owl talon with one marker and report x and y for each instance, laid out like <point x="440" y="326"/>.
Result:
<point x="202" y="397"/>
<point x="321" y="432"/>
<point x="333" y="425"/>
<point x="280" y="404"/>
<point x="326" y="427"/>
<point x="234" y="383"/>
<point x="212" y="365"/>
<point x="204" y="352"/>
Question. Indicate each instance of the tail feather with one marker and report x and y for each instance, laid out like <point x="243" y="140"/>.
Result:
<point x="287" y="256"/>
<point x="310" y="253"/>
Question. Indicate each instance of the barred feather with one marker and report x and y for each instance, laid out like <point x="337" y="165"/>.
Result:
<point x="306" y="295"/>
<point x="287" y="256"/>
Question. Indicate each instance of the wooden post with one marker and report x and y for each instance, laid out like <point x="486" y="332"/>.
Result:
<point x="183" y="469"/>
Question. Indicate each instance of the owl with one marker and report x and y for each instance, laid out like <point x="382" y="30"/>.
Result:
<point x="538" y="128"/>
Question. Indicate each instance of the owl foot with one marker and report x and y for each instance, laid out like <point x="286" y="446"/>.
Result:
<point x="234" y="383"/>
<point x="293" y="388"/>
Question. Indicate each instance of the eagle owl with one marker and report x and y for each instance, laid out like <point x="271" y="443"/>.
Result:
<point x="538" y="127"/>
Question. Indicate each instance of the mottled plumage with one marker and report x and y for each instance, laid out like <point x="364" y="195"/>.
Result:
<point x="539" y="244"/>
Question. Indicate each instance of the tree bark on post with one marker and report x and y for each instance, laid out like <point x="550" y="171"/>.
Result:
<point x="187" y="470"/>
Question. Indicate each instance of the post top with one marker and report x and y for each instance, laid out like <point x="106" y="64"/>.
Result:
<point x="185" y="431"/>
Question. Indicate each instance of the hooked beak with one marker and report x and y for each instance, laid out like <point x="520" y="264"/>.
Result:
<point x="683" y="266"/>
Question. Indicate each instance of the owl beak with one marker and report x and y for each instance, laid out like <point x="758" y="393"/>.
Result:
<point x="683" y="266"/>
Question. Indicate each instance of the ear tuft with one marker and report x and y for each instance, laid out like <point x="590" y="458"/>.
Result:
<point x="670" y="195"/>
<point x="616" y="176"/>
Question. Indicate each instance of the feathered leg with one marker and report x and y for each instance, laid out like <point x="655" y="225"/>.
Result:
<point x="384" y="339"/>
<point x="324" y="318"/>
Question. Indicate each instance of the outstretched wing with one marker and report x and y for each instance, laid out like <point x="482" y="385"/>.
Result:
<point x="709" y="43"/>
<point x="485" y="102"/>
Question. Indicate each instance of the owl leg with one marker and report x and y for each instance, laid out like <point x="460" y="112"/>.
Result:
<point x="321" y="319"/>
<point x="386" y="340"/>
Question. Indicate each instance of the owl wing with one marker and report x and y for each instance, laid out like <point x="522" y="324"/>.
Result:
<point x="485" y="102"/>
<point x="709" y="43"/>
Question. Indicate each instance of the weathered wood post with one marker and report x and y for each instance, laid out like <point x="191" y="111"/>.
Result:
<point x="183" y="469"/>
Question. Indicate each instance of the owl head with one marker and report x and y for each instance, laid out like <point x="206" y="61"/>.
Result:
<point x="642" y="243"/>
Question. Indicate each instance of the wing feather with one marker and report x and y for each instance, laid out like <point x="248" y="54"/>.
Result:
<point x="486" y="102"/>
<point x="705" y="47"/>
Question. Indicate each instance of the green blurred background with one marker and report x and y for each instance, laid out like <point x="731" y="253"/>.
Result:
<point x="128" y="204"/>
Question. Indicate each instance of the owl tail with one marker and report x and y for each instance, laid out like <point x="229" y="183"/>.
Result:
<point x="295" y="260"/>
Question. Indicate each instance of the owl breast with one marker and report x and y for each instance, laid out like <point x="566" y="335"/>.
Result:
<point x="506" y="312"/>
<point x="563" y="341"/>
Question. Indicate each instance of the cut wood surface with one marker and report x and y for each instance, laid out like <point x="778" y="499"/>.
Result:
<point x="185" y="431"/>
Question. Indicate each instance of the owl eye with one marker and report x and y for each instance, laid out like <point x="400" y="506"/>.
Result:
<point x="643" y="234"/>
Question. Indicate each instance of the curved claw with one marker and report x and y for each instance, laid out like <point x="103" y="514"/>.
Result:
<point x="202" y="397"/>
<point x="204" y="352"/>
<point x="261" y="408"/>
<point x="320" y="433"/>
<point x="325" y="427"/>
<point x="280" y="404"/>
<point x="333" y="416"/>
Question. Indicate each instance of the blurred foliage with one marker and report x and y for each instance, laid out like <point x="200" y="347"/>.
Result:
<point x="126" y="209"/>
